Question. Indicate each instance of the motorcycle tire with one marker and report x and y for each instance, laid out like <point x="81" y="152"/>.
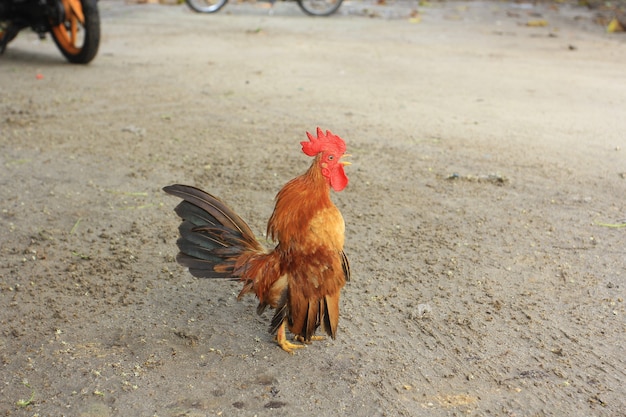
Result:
<point x="8" y="32"/>
<point x="78" y="36"/>
<point x="206" y="6"/>
<point x="319" y="7"/>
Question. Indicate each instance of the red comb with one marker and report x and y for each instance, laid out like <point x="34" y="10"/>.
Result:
<point x="323" y="141"/>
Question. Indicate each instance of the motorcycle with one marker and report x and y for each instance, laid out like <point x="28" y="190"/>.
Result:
<point x="310" y="7"/>
<point x="73" y="24"/>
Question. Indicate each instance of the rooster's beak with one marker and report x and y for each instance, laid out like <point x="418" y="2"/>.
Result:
<point x="345" y="162"/>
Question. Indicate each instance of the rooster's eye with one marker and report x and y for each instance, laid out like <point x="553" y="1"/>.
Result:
<point x="331" y="157"/>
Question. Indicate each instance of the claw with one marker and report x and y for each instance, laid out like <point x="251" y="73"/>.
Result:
<point x="282" y="341"/>
<point x="301" y="339"/>
<point x="289" y="347"/>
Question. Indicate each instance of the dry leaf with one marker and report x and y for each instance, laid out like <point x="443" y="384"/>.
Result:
<point x="614" y="26"/>
<point x="537" y="23"/>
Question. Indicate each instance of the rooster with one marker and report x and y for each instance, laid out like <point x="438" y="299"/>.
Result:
<point x="302" y="276"/>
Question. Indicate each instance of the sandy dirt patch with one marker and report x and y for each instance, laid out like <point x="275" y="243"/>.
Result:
<point x="483" y="215"/>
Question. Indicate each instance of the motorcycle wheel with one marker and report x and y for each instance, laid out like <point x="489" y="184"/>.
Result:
<point x="319" y="7"/>
<point x="78" y="36"/>
<point x="206" y="6"/>
<point x="5" y="31"/>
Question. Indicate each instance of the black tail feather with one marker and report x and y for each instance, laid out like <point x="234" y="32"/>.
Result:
<point x="203" y="269"/>
<point x="212" y="235"/>
<point x="194" y="214"/>
<point x="328" y="326"/>
<point x="345" y="265"/>
<point x="280" y="315"/>
<point x="191" y="236"/>
<point x="214" y="207"/>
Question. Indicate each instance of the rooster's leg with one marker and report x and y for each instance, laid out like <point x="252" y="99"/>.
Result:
<point x="281" y="339"/>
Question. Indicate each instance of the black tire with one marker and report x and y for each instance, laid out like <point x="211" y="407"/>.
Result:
<point x="79" y="51"/>
<point x="8" y="32"/>
<point x="319" y="7"/>
<point x="206" y="6"/>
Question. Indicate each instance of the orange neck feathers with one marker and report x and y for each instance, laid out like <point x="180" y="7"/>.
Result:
<point x="297" y="203"/>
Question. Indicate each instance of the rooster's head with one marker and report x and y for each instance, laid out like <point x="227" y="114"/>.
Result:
<point x="328" y="150"/>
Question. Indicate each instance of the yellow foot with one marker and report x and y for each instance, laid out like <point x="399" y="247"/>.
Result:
<point x="287" y="346"/>
<point x="281" y="339"/>
<point x="300" y="339"/>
